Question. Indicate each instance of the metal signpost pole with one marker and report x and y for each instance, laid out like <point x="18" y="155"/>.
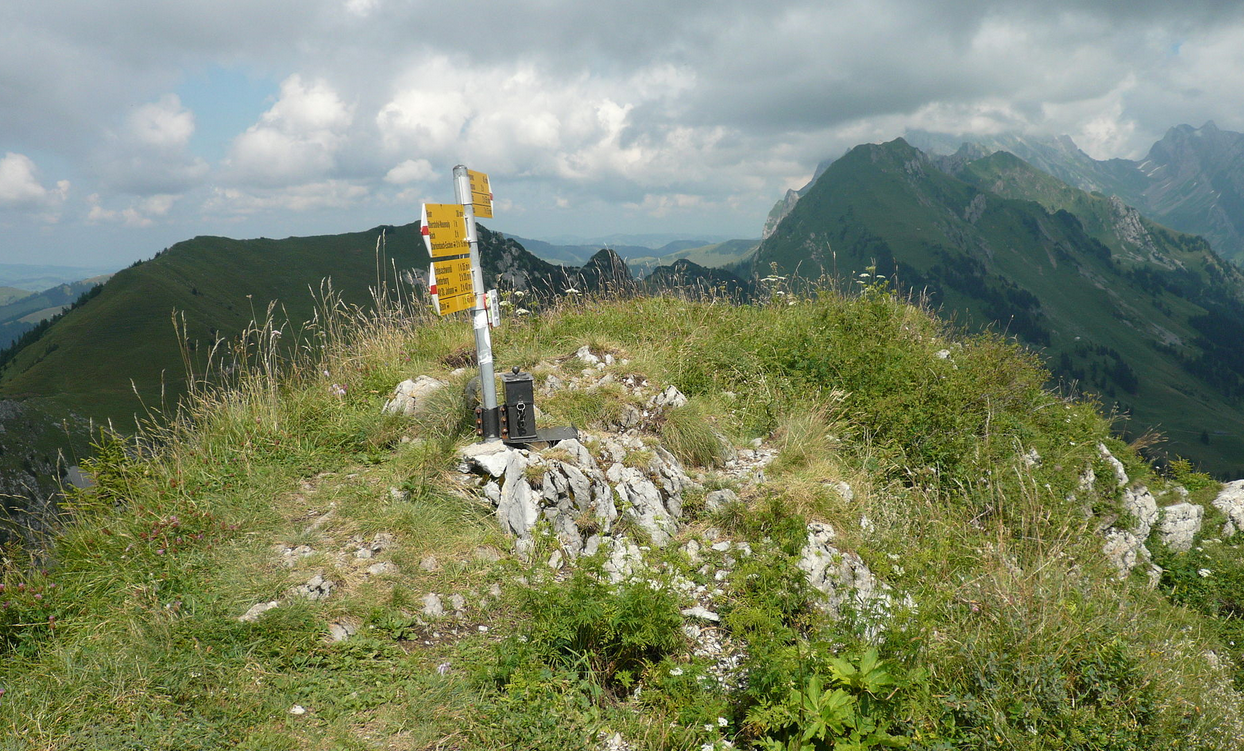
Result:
<point x="479" y="313"/>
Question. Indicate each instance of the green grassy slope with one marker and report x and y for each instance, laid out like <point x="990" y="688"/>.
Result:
<point x="720" y="255"/>
<point x="88" y="360"/>
<point x="120" y="354"/>
<point x="1118" y="305"/>
<point x="1005" y="629"/>
<point x="23" y="312"/>
<point x="717" y="255"/>
<point x="12" y="294"/>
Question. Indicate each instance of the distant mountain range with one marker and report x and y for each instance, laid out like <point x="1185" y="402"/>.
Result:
<point x="1149" y="318"/>
<point x="21" y="311"/>
<point x="36" y="278"/>
<point x="642" y="259"/>
<point x="650" y="240"/>
<point x="1192" y="180"/>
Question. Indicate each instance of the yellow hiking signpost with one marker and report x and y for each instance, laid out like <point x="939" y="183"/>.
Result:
<point x="456" y="282"/>
<point x="481" y="194"/>
<point x="454" y="288"/>
<point x="445" y="234"/>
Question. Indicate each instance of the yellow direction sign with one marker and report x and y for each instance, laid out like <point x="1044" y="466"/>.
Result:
<point x="481" y="194"/>
<point x="452" y="285"/>
<point x="444" y="229"/>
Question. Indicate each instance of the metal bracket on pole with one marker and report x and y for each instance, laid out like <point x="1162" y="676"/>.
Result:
<point x="490" y="417"/>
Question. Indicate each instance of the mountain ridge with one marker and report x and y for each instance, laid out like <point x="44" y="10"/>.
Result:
<point x="1124" y="307"/>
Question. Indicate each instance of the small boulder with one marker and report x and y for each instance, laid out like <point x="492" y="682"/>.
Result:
<point x="432" y="605"/>
<point x="316" y="588"/>
<point x="1143" y="507"/>
<point x="719" y="498"/>
<point x="1180" y="524"/>
<point x="671" y="397"/>
<point x="258" y="609"/>
<point x="1124" y="550"/>
<point x="340" y="631"/>
<point x="490" y="458"/>
<point x="1230" y="501"/>
<point x="408" y="393"/>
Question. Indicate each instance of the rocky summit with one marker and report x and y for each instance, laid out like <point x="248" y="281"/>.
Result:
<point x="824" y="514"/>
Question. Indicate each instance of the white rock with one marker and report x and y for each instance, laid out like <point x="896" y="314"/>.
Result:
<point x="383" y="567"/>
<point x="432" y="605"/>
<point x="486" y="554"/>
<point x="701" y="612"/>
<point x="1140" y="503"/>
<point x="719" y="498"/>
<point x="316" y="588"/>
<point x="408" y="393"/>
<point x="1119" y="472"/>
<point x="340" y="631"/>
<point x="518" y="509"/>
<point x="490" y="458"/>
<point x="258" y="609"/>
<point x="1124" y="550"/>
<point x="842" y="577"/>
<point x="671" y="397"/>
<point x="457" y="601"/>
<point x="298" y="710"/>
<point x="492" y="491"/>
<point x="625" y="560"/>
<point x="1180" y="524"/>
<point x="429" y="563"/>
<point x="643" y="504"/>
<point x="1230" y="501"/>
<point x="584" y="353"/>
<point x="844" y="490"/>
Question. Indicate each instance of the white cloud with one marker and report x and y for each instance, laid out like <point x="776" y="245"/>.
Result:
<point x="295" y="141"/>
<point x="521" y="120"/>
<point x="20" y="189"/>
<point x="150" y="156"/>
<point x="326" y="194"/>
<point x="141" y="213"/>
<point x="18" y="184"/>
<point x="410" y="171"/>
<point x="661" y="205"/>
<point x="361" y="7"/>
<point x="164" y="124"/>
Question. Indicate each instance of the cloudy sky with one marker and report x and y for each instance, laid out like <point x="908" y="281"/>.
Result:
<point x="128" y="125"/>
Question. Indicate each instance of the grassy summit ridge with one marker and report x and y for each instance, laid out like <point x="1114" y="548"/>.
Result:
<point x="1007" y="629"/>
